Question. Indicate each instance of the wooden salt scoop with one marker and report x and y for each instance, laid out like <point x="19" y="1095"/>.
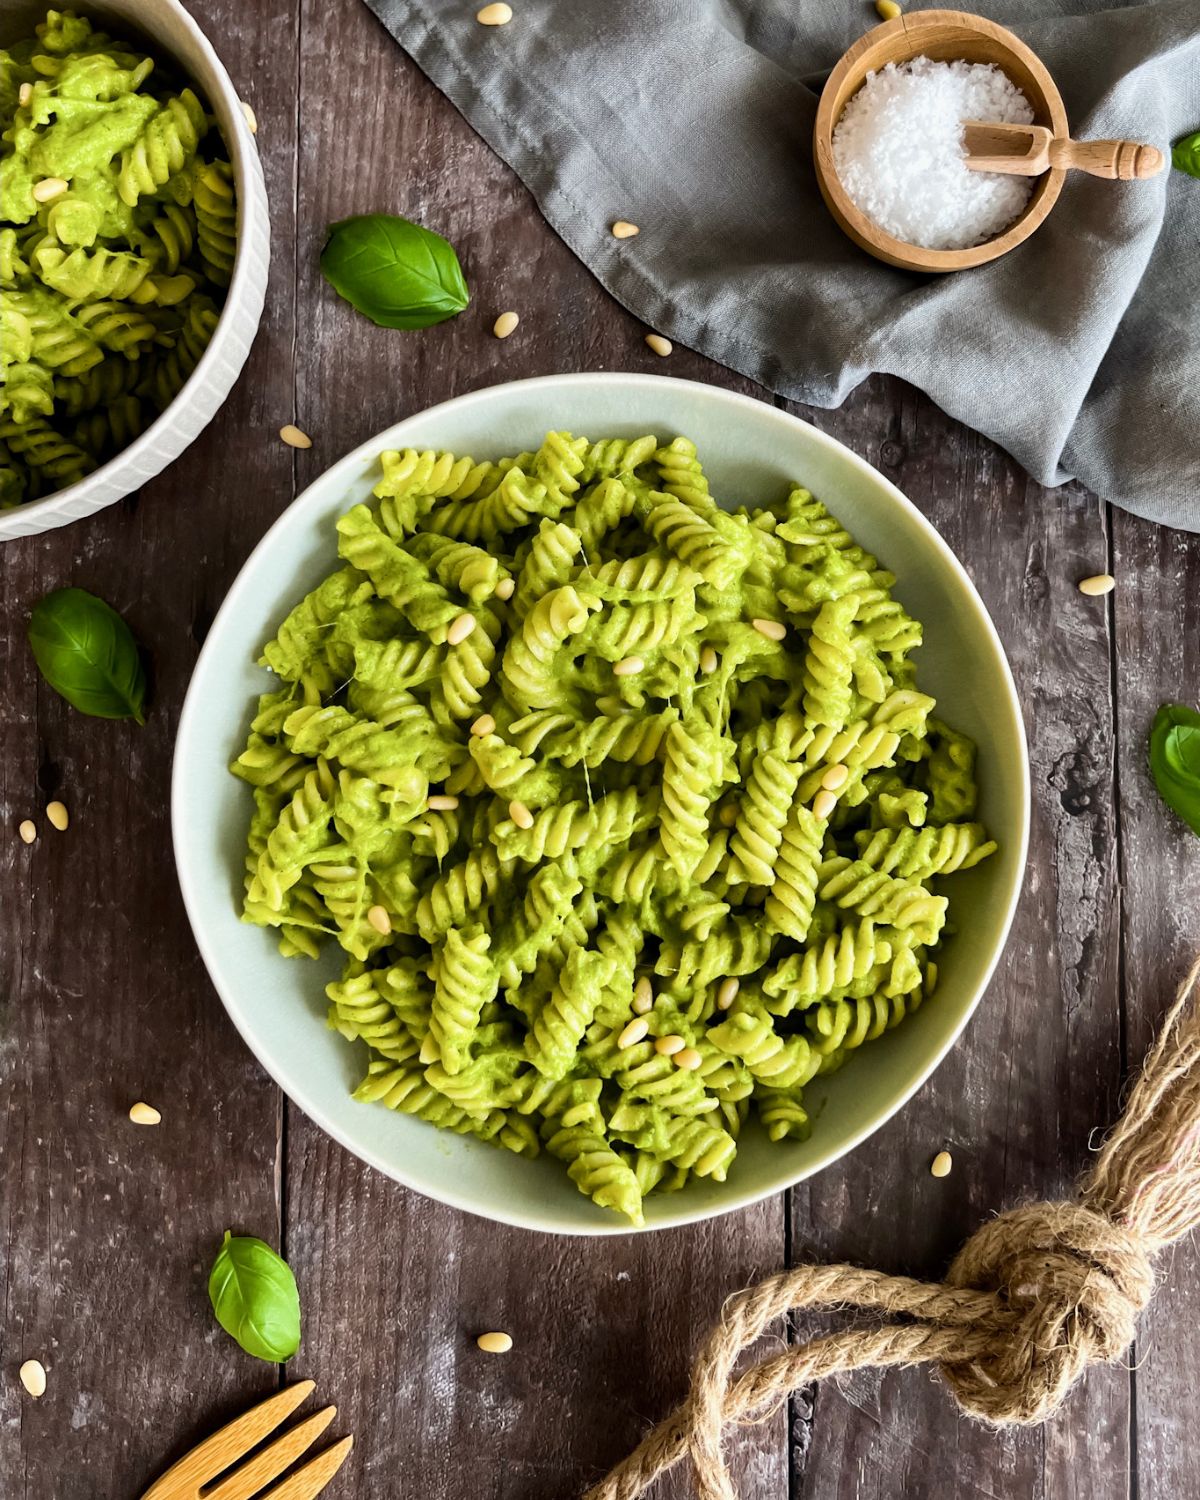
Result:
<point x="1030" y="150"/>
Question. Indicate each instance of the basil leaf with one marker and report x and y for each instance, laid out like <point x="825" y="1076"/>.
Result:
<point x="394" y="272"/>
<point x="1185" y="154"/>
<point x="1175" y="760"/>
<point x="86" y="652"/>
<point x="253" y="1293"/>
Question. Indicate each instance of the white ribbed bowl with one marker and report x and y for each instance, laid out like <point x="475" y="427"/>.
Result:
<point x="171" y="33"/>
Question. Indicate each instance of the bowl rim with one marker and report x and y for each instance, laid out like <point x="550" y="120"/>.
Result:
<point x="206" y="939"/>
<point x="253" y="238"/>
<point x="851" y="219"/>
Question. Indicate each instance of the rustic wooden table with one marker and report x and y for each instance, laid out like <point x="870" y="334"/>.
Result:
<point x="106" y="1231"/>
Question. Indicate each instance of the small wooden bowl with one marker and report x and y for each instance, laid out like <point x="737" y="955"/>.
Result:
<point x="944" y="35"/>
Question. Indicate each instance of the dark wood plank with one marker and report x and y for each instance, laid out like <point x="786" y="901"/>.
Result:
<point x="1157" y="621"/>
<point x="604" y="1329"/>
<point x="107" y="1230"/>
<point x="1039" y="1065"/>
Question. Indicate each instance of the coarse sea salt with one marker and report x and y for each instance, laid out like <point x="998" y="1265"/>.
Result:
<point x="899" y="152"/>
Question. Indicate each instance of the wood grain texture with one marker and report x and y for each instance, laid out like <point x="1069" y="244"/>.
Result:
<point x="107" y="1231"/>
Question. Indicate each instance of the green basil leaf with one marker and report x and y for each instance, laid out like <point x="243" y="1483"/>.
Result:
<point x="87" y="653"/>
<point x="1185" y="154"/>
<point x="253" y="1293"/>
<point x="1175" y="760"/>
<point x="394" y="272"/>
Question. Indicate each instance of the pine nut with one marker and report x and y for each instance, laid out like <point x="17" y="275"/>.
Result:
<point x="494" y="15"/>
<point x="24" y="94"/>
<point x="520" y="815"/>
<point x="58" y="815"/>
<point x="495" y="1343"/>
<point x="728" y="992"/>
<point x="835" y="778"/>
<point x="49" y="188"/>
<point x="379" y="920"/>
<point x="823" y="804"/>
<point x="941" y="1164"/>
<point x="772" y="629"/>
<point x="1102" y="583"/>
<point x="630" y="666"/>
<point x="689" y="1059"/>
<point x="144" y="1114"/>
<point x="506" y="588"/>
<point x="505" y="324"/>
<point x="643" y="996"/>
<point x="460" y="629"/>
<point x="33" y="1377"/>
<point x="728" y="814"/>
<point x="442" y="802"/>
<point x="483" y="725"/>
<point x="635" y="1032"/>
<point x="28" y="830"/>
<point x="624" y="230"/>
<point x="668" y="1046"/>
<point x="251" y="117"/>
<point x="293" y="437"/>
<point x="708" y="661"/>
<point x="661" y="346"/>
<point x="888" y="9"/>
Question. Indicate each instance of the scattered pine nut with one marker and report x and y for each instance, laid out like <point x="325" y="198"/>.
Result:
<point x="729" y="814"/>
<point x="941" y="1164"/>
<point x="727" y="994"/>
<point x="251" y="117"/>
<point x="379" y="920"/>
<point x="27" y="828"/>
<point x="708" y="661"/>
<point x="293" y="437"/>
<point x="49" y="188"/>
<point x="483" y="725"/>
<point x="630" y="666"/>
<point x="1102" y="583"/>
<point x="33" y="1377"/>
<point x="660" y="345"/>
<point x="689" y="1059"/>
<point x="624" y="230"/>
<point x="144" y="1114"/>
<point x="506" y="588"/>
<point x="669" y="1045"/>
<point x="58" y="815"/>
<point x="460" y="629"/>
<point x="494" y="15"/>
<point x="835" y="778"/>
<point x="505" y="324"/>
<point x="442" y="802"/>
<point x="24" y="94"/>
<point x="643" y="996"/>
<point x="520" y="815"/>
<point x="774" y="630"/>
<point x="633" y="1033"/>
<point x="495" y="1343"/>
<point x="823" y="804"/>
<point x="888" y="9"/>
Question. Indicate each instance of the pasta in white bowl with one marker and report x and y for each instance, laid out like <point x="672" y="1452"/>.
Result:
<point x="606" y="775"/>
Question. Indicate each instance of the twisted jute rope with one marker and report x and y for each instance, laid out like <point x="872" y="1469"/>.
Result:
<point x="1031" y="1300"/>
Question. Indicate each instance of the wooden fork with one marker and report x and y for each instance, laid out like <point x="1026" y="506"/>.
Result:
<point x="205" y="1464"/>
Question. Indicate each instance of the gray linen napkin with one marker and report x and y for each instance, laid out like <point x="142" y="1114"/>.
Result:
<point x="1079" y="352"/>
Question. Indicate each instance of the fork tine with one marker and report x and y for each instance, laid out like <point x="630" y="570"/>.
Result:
<point x="309" y="1481"/>
<point x="216" y="1453"/>
<point x="274" y="1459"/>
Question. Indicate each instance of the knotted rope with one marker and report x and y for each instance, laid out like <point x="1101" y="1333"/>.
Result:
<point x="1031" y="1300"/>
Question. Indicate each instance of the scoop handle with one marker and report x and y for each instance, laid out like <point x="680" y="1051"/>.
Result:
<point x="1122" y="160"/>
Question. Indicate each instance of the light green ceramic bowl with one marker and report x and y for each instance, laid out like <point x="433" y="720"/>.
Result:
<point x="751" y="452"/>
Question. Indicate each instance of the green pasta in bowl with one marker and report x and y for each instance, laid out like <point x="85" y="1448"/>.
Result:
<point x="621" y="799"/>
<point x="118" y="236"/>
